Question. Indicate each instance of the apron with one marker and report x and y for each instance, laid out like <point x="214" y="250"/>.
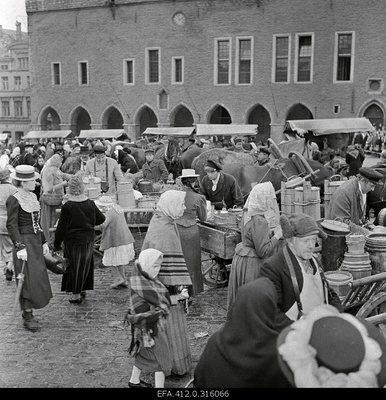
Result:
<point x="311" y="295"/>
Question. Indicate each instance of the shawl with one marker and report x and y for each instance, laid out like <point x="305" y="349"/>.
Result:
<point x="163" y="235"/>
<point x="243" y="354"/>
<point x="262" y="200"/>
<point x="149" y="306"/>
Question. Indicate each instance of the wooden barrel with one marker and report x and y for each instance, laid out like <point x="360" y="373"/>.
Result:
<point x="125" y="194"/>
<point x="376" y="246"/>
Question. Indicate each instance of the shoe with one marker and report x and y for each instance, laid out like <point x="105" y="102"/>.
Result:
<point x="141" y="384"/>
<point x="76" y="301"/>
<point x="8" y="274"/>
<point x="30" y="322"/>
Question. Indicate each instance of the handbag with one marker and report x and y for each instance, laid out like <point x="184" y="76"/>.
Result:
<point x="57" y="263"/>
<point x="52" y="199"/>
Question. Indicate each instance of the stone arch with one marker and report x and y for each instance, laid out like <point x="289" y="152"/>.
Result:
<point x="299" y="111"/>
<point x="218" y="114"/>
<point x="375" y="111"/>
<point x="112" y="118"/>
<point x="80" y="120"/>
<point x="181" y="116"/>
<point x="145" y="117"/>
<point x="49" y="119"/>
<point x="259" y="115"/>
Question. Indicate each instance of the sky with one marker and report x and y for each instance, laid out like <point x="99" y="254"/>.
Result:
<point x="12" y="11"/>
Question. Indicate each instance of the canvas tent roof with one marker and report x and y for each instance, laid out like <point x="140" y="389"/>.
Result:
<point x="329" y="126"/>
<point x="226" y="130"/>
<point x="101" y="133"/>
<point x="47" y="134"/>
<point x="170" y="131"/>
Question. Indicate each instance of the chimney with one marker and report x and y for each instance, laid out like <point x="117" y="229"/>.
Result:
<point x="18" y="31"/>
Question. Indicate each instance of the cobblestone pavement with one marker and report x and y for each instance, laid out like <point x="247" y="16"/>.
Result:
<point x="85" y="346"/>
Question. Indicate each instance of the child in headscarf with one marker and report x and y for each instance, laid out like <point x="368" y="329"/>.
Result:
<point x="149" y="304"/>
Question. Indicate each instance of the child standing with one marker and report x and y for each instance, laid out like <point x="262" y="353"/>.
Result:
<point x="117" y="242"/>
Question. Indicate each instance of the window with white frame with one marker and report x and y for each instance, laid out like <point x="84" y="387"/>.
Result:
<point x="222" y="55"/>
<point x="304" y="57"/>
<point x="18" y="104"/>
<point x="83" y="73"/>
<point x="56" y="74"/>
<point x="153" y="65"/>
<point x="244" y="64"/>
<point x="281" y="58"/>
<point x="344" y="56"/>
<point x="23" y="62"/>
<point x="177" y="70"/>
<point x="4" y="83"/>
<point x="128" y="71"/>
<point x="5" y="108"/>
<point x="17" y="82"/>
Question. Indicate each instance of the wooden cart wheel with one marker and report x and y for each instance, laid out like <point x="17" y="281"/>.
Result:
<point x="374" y="306"/>
<point x="216" y="275"/>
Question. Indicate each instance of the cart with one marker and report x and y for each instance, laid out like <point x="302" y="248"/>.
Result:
<point x="219" y="241"/>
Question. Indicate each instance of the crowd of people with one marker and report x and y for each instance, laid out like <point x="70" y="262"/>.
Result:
<point x="279" y="300"/>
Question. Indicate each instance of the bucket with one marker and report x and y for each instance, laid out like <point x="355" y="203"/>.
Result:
<point x="375" y="245"/>
<point x="221" y="217"/>
<point x="146" y="202"/>
<point x="234" y="216"/>
<point x="355" y="244"/>
<point x="339" y="282"/>
<point x="287" y="198"/>
<point x="125" y="194"/>
<point x="145" y="186"/>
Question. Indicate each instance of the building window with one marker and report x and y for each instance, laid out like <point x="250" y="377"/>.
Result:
<point x="5" y="108"/>
<point x="83" y="73"/>
<point x="153" y="65"/>
<point x="128" y="71"/>
<point x="244" y="61"/>
<point x="4" y="67"/>
<point x="23" y="63"/>
<point x="55" y="74"/>
<point x="344" y="57"/>
<point x="4" y="83"/>
<point x="177" y="70"/>
<point x="336" y="108"/>
<point x="222" y="62"/>
<point x="17" y="82"/>
<point x="18" y="108"/>
<point x="28" y="82"/>
<point x="28" y="102"/>
<point x="281" y="59"/>
<point x="304" y="58"/>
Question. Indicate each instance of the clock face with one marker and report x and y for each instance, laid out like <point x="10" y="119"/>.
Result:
<point x="179" y="19"/>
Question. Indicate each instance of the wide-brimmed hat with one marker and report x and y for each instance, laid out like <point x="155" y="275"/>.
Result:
<point x="337" y="349"/>
<point x="4" y="174"/>
<point x="189" y="173"/>
<point x="104" y="201"/>
<point x="371" y="174"/>
<point x="300" y="225"/>
<point x="24" y="173"/>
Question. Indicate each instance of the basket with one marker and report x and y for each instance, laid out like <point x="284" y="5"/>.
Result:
<point x="52" y="199"/>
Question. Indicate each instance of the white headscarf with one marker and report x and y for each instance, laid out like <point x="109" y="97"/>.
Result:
<point x="262" y="200"/>
<point x="148" y="257"/>
<point x="172" y="203"/>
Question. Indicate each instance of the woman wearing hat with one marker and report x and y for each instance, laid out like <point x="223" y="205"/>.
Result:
<point x="296" y="273"/>
<point x="30" y="246"/>
<point x="195" y="208"/>
<point x="76" y="230"/>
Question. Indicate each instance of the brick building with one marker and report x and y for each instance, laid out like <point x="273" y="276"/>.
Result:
<point x="15" y="88"/>
<point x="98" y="64"/>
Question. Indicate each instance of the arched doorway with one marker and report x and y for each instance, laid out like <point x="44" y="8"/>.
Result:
<point x="49" y="120"/>
<point x="80" y="121"/>
<point x="183" y="117"/>
<point x="299" y="111"/>
<point x="260" y="116"/>
<point x="112" y="119"/>
<point x="220" y="116"/>
<point x="147" y="119"/>
<point x="375" y="114"/>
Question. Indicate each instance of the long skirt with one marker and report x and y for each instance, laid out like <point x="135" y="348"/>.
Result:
<point x="81" y="274"/>
<point x="177" y="333"/>
<point x="191" y="248"/>
<point x="36" y="288"/>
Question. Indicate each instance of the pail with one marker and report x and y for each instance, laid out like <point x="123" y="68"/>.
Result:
<point x="221" y="217"/>
<point x="234" y="216"/>
<point x="355" y="243"/>
<point x="145" y="186"/>
<point x="375" y="244"/>
<point x="339" y="282"/>
<point x="125" y="194"/>
<point x="287" y="198"/>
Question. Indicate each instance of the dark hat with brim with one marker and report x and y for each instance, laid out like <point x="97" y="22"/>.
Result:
<point x="371" y="174"/>
<point x="338" y="345"/>
<point x="214" y="164"/>
<point x="149" y="151"/>
<point x="99" y="149"/>
<point x="29" y="144"/>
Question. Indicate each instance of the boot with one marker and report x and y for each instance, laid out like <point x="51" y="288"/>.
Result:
<point x="30" y="322"/>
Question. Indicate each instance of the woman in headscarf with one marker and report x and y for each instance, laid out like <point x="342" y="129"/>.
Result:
<point x="163" y="235"/>
<point x="243" y="354"/>
<point x="53" y="180"/>
<point x="260" y="235"/>
<point x="76" y="229"/>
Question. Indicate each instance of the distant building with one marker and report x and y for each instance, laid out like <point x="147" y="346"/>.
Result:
<point x="15" y="84"/>
<point x="100" y="64"/>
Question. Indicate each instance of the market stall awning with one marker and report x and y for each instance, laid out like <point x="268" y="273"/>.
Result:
<point x="47" y="134"/>
<point x="170" y="131"/>
<point x="226" y="130"/>
<point x="101" y="133"/>
<point x="329" y="126"/>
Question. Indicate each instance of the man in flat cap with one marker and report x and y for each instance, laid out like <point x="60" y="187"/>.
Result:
<point x="221" y="189"/>
<point x="263" y="156"/>
<point x="154" y="170"/>
<point x="105" y="168"/>
<point x="348" y="203"/>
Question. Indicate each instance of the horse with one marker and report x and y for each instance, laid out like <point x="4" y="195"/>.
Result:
<point x="189" y="155"/>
